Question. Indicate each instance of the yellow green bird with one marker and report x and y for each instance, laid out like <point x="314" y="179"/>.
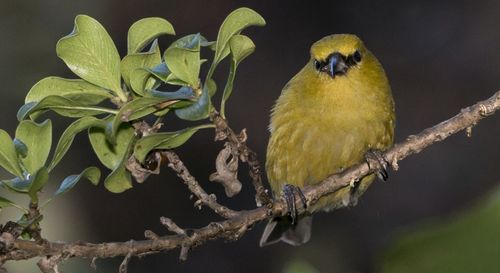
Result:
<point x="328" y="116"/>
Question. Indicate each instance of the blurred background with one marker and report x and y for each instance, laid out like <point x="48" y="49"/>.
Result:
<point x="439" y="213"/>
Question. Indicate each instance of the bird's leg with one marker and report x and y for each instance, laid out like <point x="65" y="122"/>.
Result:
<point x="374" y="158"/>
<point x="289" y="194"/>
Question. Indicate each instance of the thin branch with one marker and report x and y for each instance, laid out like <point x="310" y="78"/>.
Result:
<point x="235" y="227"/>
<point x="238" y="143"/>
<point x="124" y="265"/>
<point x="209" y="200"/>
<point x="226" y="165"/>
<point x="171" y="226"/>
<point x="50" y="264"/>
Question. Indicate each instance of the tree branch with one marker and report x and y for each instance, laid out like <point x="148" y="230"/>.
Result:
<point x="237" y="224"/>
<point x="209" y="200"/>
<point x="238" y="144"/>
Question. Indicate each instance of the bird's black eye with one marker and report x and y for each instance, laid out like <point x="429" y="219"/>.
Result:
<point x="317" y="64"/>
<point x="356" y="56"/>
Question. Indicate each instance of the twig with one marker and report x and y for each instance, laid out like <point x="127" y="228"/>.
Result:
<point x="50" y="264"/>
<point x="209" y="200"/>
<point x="34" y="229"/>
<point x="236" y="226"/>
<point x="227" y="172"/>
<point x="171" y="226"/>
<point x="93" y="264"/>
<point x="238" y="143"/>
<point x="124" y="265"/>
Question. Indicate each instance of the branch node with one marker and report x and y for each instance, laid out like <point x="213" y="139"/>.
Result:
<point x="141" y="173"/>
<point x="213" y="197"/>
<point x="48" y="264"/>
<point x="151" y="235"/>
<point x="171" y="226"/>
<point x="238" y="144"/>
<point x="485" y="111"/>
<point x="468" y="131"/>
<point x="216" y="225"/>
<point x="240" y="232"/>
<point x="227" y="171"/>
<point x="6" y="240"/>
<point x="394" y="164"/>
<point x="198" y="204"/>
<point x="203" y="198"/>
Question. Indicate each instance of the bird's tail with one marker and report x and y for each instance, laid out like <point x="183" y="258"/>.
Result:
<point x="282" y="229"/>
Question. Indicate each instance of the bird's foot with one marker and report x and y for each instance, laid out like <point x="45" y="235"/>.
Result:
<point x="376" y="159"/>
<point x="289" y="194"/>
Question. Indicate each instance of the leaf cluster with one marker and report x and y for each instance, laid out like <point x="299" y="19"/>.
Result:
<point x="135" y="85"/>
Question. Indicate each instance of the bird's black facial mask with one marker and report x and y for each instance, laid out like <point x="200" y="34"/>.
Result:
<point x="337" y="64"/>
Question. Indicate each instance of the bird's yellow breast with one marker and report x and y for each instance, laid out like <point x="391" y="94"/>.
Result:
<point x="321" y="125"/>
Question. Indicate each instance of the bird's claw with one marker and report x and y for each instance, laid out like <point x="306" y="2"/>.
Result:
<point x="289" y="194"/>
<point x="374" y="158"/>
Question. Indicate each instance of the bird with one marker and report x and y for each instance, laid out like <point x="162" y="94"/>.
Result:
<point x="335" y="112"/>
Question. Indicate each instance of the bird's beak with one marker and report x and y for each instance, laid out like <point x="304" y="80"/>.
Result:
<point x="336" y="65"/>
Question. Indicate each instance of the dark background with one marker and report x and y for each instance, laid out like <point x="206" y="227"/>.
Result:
<point x="439" y="57"/>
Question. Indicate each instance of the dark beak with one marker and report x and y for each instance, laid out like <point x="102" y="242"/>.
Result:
<point x="336" y="65"/>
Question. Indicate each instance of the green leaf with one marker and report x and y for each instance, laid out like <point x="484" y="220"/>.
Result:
<point x="241" y="47"/>
<point x="18" y="185"/>
<point x="69" y="134"/>
<point x="211" y="86"/>
<point x="73" y="89"/>
<point x="38" y="140"/>
<point x="183" y="93"/>
<point x="198" y="110"/>
<point x="134" y="61"/>
<point x="162" y="113"/>
<point x="144" y="106"/>
<point x="146" y="30"/>
<point x="111" y="154"/>
<point x="38" y="181"/>
<point x="92" y="174"/>
<point x="180" y="104"/>
<point x="234" y="23"/>
<point x="133" y="110"/>
<point x="8" y="155"/>
<point x="91" y="54"/>
<point x="183" y="59"/>
<point x="174" y="80"/>
<point x="165" y="140"/>
<point x="21" y="148"/>
<point x="141" y="80"/>
<point x="160" y="71"/>
<point x="61" y="105"/>
<point x="119" y="180"/>
<point x="4" y="202"/>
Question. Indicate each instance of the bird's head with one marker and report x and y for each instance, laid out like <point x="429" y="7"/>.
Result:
<point x="336" y="54"/>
